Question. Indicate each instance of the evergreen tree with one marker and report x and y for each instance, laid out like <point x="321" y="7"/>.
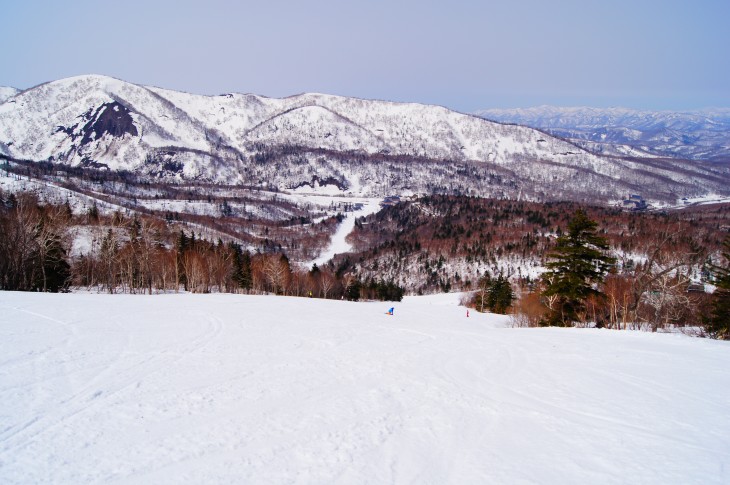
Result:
<point x="246" y="274"/>
<point x="500" y="295"/>
<point x="182" y="244"/>
<point x="68" y="212"/>
<point x="11" y="202"/>
<point x="494" y="294"/>
<point x="579" y="264"/>
<point x="386" y="291"/>
<point x="236" y="263"/>
<point x="718" y="324"/>
<point x="93" y="213"/>
<point x="241" y="267"/>
<point x="352" y="292"/>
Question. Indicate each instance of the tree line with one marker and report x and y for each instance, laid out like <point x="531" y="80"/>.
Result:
<point x="446" y="243"/>
<point x="583" y="284"/>
<point x="145" y="255"/>
<point x="33" y="245"/>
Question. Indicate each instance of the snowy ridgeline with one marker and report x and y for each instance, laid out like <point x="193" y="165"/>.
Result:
<point x="320" y="142"/>
<point x="252" y="389"/>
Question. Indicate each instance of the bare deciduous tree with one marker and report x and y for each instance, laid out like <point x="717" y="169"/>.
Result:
<point x="327" y="282"/>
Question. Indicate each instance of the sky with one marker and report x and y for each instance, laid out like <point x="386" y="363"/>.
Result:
<point x="465" y="55"/>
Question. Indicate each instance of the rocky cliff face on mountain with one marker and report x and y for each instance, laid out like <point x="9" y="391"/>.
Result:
<point x="315" y="142"/>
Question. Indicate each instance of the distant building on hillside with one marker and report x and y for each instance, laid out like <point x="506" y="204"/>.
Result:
<point x="390" y="200"/>
<point x="635" y="203"/>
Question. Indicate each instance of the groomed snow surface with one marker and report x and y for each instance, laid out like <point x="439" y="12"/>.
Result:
<point x="260" y="389"/>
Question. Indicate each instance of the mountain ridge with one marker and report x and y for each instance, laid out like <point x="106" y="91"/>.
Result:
<point x="7" y="92"/>
<point x="368" y="147"/>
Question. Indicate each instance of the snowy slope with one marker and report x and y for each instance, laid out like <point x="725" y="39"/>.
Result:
<point x="254" y="389"/>
<point x="56" y="121"/>
<point x="341" y="124"/>
<point x="7" y="92"/>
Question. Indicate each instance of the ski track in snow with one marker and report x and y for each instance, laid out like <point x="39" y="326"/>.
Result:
<point x="338" y="243"/>
<point x="255" y="389"/>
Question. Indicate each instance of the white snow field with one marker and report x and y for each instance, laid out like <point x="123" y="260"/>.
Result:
<point x="211" y="389"/>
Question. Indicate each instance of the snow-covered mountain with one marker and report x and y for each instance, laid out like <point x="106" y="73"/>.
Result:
<point x="94" y="117"/>
<point x="7" y="92"/>
<point x="695" y="135"/>
<point x="359" y="146"/>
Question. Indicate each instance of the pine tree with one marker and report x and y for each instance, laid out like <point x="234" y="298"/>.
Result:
<point x="494" y="294"/>
<point x="352" y="292"/>
<point x="182" y="244"/>
<point x="93" y="213"/>
<point x="236" y="263"/>
<point x="579" y="265"/>
<point x="718" y="324"/>
<point x="500" y="295"/>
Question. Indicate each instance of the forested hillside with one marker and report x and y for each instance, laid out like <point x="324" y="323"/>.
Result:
<point x="446" y="242"/>
<point x="427" y="245"/>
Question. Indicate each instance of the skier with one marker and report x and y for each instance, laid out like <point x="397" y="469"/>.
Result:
<point x="390" y="311"/>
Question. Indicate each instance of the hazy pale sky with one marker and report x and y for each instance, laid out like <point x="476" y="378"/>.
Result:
<point x="466" y="55"/>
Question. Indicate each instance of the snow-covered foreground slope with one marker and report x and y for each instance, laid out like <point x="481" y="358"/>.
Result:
<point x="253" y="389"/>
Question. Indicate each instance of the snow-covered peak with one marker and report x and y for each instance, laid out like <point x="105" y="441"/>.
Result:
<point x="102" y="121"/>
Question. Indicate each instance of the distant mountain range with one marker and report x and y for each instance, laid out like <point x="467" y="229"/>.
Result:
<point x="694" y="135"/>
<point x="315" y="142"/>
